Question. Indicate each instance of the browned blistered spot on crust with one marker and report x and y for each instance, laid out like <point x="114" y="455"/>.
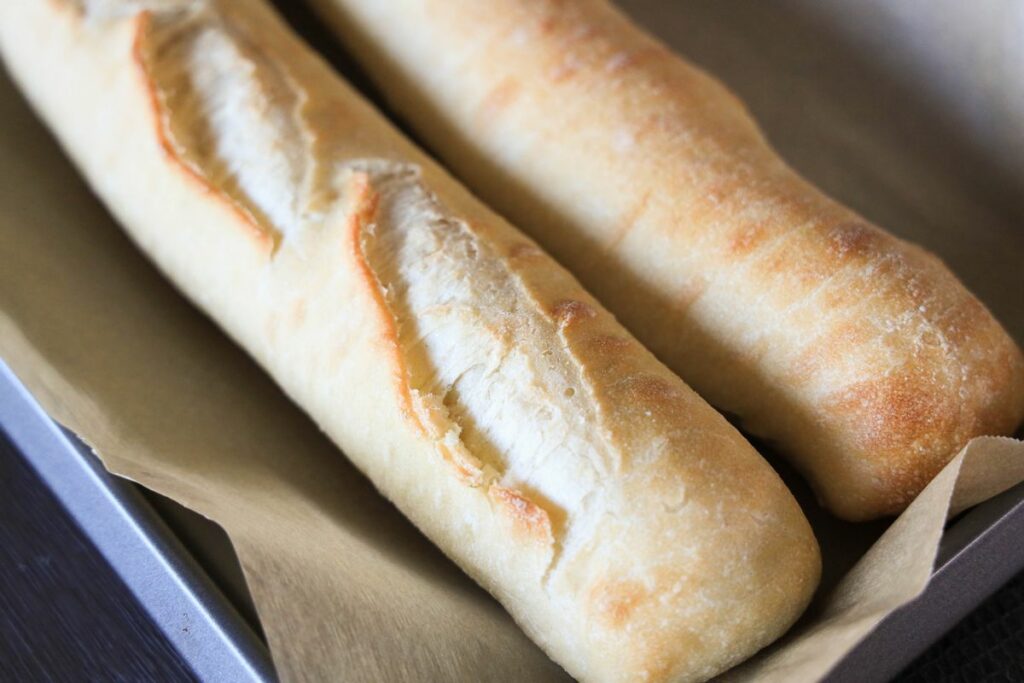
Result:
<point x="630" y="58"/>
<point x="744" y="240"/>
<point x="824" y="351"/>
<point x="524" y="251"/>
<point x="891" y="411"/>
<point x="651" y="390"/>
<point x="498" y="99"/>
<point x="609" y="343"/>
<point x="266" y="239"/>
<point x="364" y="209"/>
<point x="907" y="429"/>
<point x="613" y="602"/>
<point x="852" y="239"/>
<point x="908" y="424"/>
<point x="568" y="312"/>
<point x="527" y="518"/>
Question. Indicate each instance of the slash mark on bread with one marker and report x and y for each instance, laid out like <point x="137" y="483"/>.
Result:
<point x="266" y="238"/>
<point x="465" y="331"/>
<point x="364" y="204"/>
<point x="528" y="519"/>
<point x="232" y="118"/>
<point x="419" y="408"/>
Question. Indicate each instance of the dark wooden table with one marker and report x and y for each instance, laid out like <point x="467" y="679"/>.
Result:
<point x="65" y="616"/>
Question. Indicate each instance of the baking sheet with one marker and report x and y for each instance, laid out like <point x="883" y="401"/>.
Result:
<point x="978" y="553"/>
<point x="341" y="581"/>
<point x="175" y="592"/>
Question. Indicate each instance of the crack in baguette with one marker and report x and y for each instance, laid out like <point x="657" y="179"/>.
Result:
<point x="233" y="120"/>
<point x="491" y="378"/>
<point x="230" y="117"/>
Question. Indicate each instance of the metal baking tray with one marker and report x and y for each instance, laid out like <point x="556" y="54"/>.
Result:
<point x="181" y="568"/>
<point x="178" y="593"/>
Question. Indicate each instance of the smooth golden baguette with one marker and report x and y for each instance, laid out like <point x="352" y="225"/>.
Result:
<point x="628" y="528"/>
<point x="859" y="354"/>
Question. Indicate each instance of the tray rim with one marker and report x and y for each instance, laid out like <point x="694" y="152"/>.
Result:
<point x="184" y="603"/>
<point x="977" y="555"/>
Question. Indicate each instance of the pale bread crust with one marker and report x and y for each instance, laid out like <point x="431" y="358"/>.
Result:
<point x="652" y="543"/>
<point x="860" y="355"/>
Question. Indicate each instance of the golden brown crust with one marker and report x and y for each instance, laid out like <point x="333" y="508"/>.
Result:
<point x="528" y="519"/>
<point x="364" y="207"/>
<point x="862" y="356"/>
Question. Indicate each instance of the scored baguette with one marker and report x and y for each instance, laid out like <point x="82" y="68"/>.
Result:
<point x="859" y="354"/>
<point x="626" y="526"/>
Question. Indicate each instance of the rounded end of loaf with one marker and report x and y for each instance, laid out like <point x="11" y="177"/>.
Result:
<point x="687" y="553"/>
<point x="882" y="479"/>
<point x="697" y="555"/>
<point x="887" y="435"/>
<point x="714" y="563"/>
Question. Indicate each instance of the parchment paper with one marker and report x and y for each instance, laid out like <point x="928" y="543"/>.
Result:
<point x="911" y="111"/>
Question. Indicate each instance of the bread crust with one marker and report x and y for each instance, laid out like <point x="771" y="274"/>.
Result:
<point x="629" y="529"/>
<point x="861" y="356"/>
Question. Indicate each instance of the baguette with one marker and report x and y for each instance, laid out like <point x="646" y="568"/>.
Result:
<point x="861" y="356"/>
<point x="626" y="526"/>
